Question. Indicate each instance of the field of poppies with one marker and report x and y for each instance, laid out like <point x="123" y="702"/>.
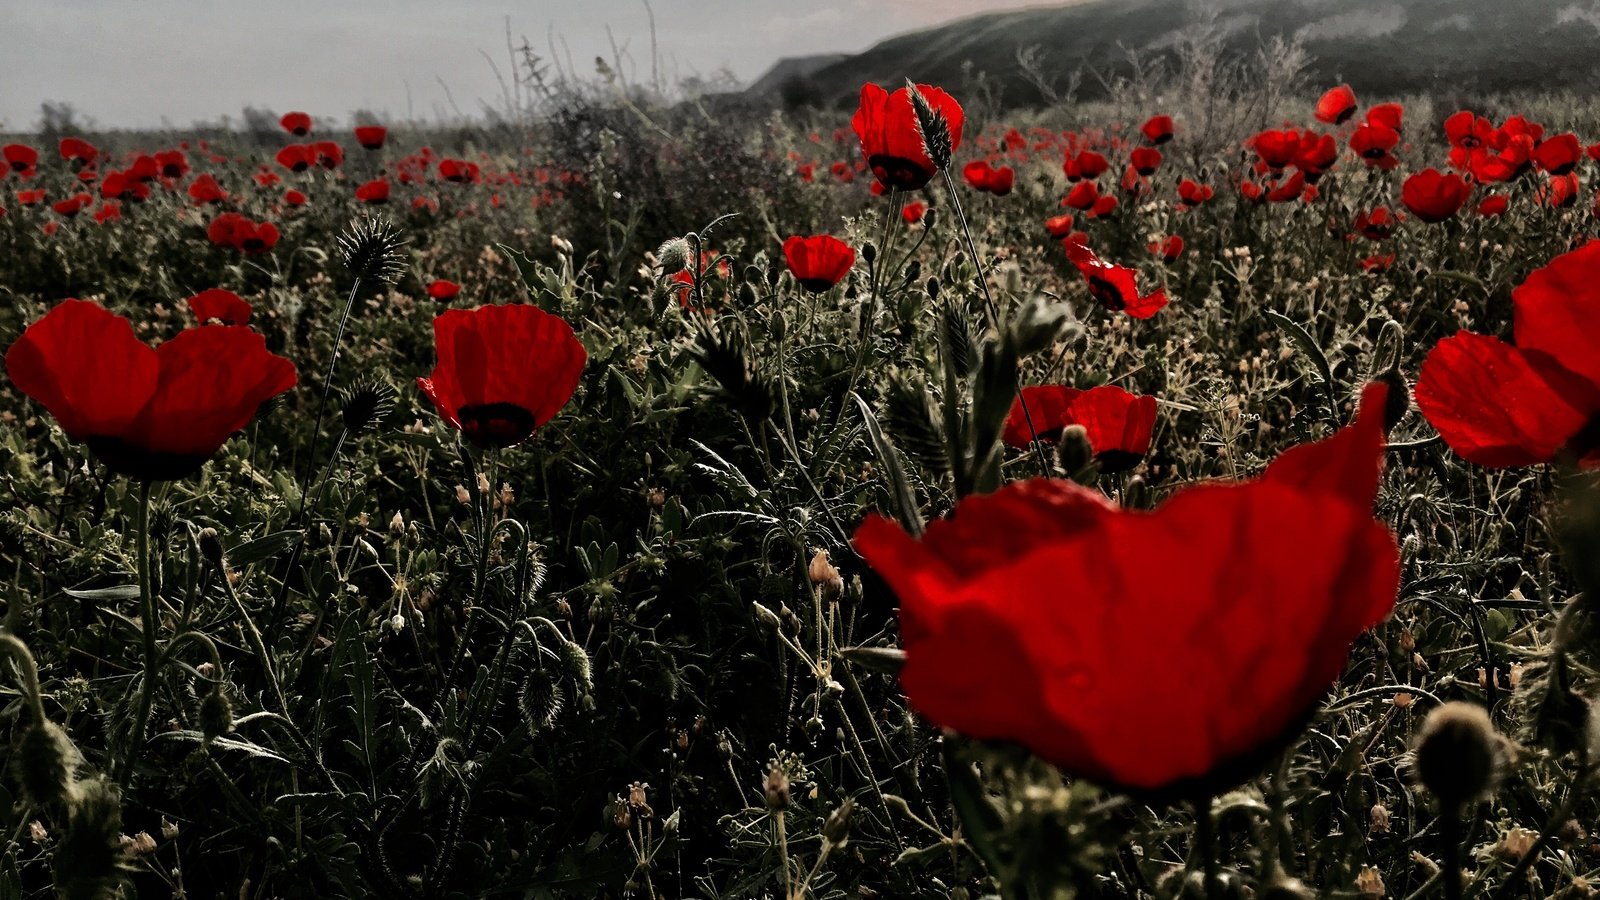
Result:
<point x="906" y="500"/>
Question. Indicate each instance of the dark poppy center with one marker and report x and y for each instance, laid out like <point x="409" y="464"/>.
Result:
<point x="141" y="463"/>
<point x="900" y="173"/>
<point x="1107" y="294"/>
<point x="496" y="424"/>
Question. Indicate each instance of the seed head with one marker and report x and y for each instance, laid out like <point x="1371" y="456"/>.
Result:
<point x="366" y="406"/>
<point x="373" y="249"/>
<point x="933" y="126"/>
<point x="1458" y="754"/>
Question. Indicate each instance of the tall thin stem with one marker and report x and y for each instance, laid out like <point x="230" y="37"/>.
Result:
<point x="994" y="314"/>
<point x="147" y="613"/>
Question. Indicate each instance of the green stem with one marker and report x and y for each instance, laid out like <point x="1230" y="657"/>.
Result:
<point x="147" y="612"/>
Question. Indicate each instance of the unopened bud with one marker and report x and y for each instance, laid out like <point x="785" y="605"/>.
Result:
<point x="46" y="764"/>
<point x="1073" y="450"/>
<point x="825" y="577"/>
<point x="1458" y="754"/>
<point x="776" y="788"/>
<point x="216" y="715"/>
<point x="210" y="546"/>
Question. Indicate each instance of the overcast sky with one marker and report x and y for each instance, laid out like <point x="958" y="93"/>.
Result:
<point x="141" y="63"/>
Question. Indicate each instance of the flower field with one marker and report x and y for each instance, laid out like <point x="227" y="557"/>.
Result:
<point x="910" y="499"/>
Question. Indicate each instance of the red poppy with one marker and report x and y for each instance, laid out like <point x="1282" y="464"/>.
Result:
<point x="329" y="154"/>
<point x="1378" y="224"/>
<point x="234" y="230"/>
<point x="294" y="198"/>
<point x="503" y="371"/>
<point x="1119" y="424"/>
<point x="818" y="262"/>
<point x="1316" y="154"/>
<point x="1560" y="191"/>
<point x="224" y="306"/>
<point x="144" y="168"/>
<point x="1192" y="193"/>
<point x="1145" y="160"/>
<point x="1169" y="248"/>
<point x="913" y="212"/>
<point x="891" y="139"/>
<point x="1276" y="149"/>
<point x="78" y="150"/>
<point x="1337" y="105"/>
<point x="296" y="123"/>
<point x="1082" y="196"/>
<point x="151" y="414"/>
<point x="206" y="190"/>
<point x="1558" y="155"/>
<point x="1157" y="129"/>
<point x="1291" y="188"/>
<point x="374" y="191"/>
<point x="72" y="205"/>
<point x="20" y="157"/>
<point x="989" y="179"/>
<point x="442" y="289"/>
<point x="1434" y="197"/>
<point x="1116" y="287"/>
<point x="1087" y="165"/>
<point x="371" y="137"/>
<point x="109" y="211"/>
<point x="1105" y="206"/>
<point x="296" y="157"/>
<point x="1035" y="614"/>
<point x="1500" y="405"/>
<point x="459" y="171"/>
<point x="1059" y="226"/>
<point x="31" y="196"/>
<point x="1378" y="262"/>
<point x="1467" y="130"/>
<point x="1387" y="115"/>
<point x="1373" y="141"/>
<point x="1493" y="205"/>
<point x="174" y="164"/>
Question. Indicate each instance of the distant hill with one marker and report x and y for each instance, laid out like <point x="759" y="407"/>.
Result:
<point x="1379" y="46"/>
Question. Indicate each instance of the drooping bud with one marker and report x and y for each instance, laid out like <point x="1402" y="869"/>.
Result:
<point x="46" y="764"/>
<point x="1458" y="754"/>
<point x="673" y="256"/>
<point x="836" y="830"/>
<point x="540" y="700"/>
<point x="211" y="546"/>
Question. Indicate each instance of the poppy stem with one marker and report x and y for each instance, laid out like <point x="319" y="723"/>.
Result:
<point x="1205" y="839"/>
<point x="994" y="314"/>
<point x="147" y="614"/>
<point x="1450" y="832"/>
<point x="327" y="385"/>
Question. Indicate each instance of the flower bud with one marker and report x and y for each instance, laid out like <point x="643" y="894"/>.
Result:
<point x="825" y="577"/>
<point x="776" y="788"/>
<point x="1074" y="453"/>
<point x="216" y="715"/>
<point x="836" y="830"/>
<point x="210" y="546"/>
<point x="1458" y="754"/>
<point x="46" y="764"/>
<point x="673" y="256"/>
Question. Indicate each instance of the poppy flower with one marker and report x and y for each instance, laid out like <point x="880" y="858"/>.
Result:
<point x="31" y="196"/>
<point x="296" y="157"/>
<point x="1059" y="226"/>
<point x="1316" y="154"/>
<point x="239" y="233"/>
<point x="1157" y="129"/>
<point x="459" y="171"/>
<point x="1170" y="248"/>
<point x="503" y="371"/>
<point x="77" y="150"/>
<point x="1378" y="262"/>
<point x="206" y="190"/>
<point x="144" y="168"/>
<point x="20" y="157"/>
<point x="223" y="306"/>
<point x="1337" y="105"/>
<point x="1105" y="206"/>
<point x="1082" y="196"/>
<point x="371" y="137"/>
<point x="989" y="179"/>
<point x="913" y="212"/>
<point x="1088" y="165"/>
<point x="329" y="154"/>
<point x="1378" y="224"/>
<point x="1192" y="193"/>
<point x="1374" y="141"/>
<point x="1119" y="424"/>
<point x="1500" y="405"/>
<point x="1387" y="115"/>
<point x="1434" y="197"/>
<point x="1116" y="287"/>
<point x="1145" y="160"/>
<point x="1275" y="148"/>
<point x="442" y="289"/>
<point x="1558" y="155"/>
<point x="891" y="139"/>
<point x="173" y="163"/>
<point x="1493" y="205"/>
<point x="374" y="191"/>
<point x="72" y="205"/>
<point x="818" y="262"/>
<point x="1561" y="191"/>
<point x="296" y="123"/>
<point x="150" y="414"/>
<point x="293" y="197"/>
<point x="1288" y="189"/>
<point x="1035" y="614"/>
<point x="1467" y="130"/>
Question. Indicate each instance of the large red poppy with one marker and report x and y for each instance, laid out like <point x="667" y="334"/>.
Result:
<point x="221" y="305"/>
<point x="1118" y="423"/>
<point x="371" y="137"/>
<point x="891" y="139"/>
<point x="983" y="176"/>
<point x="818" y="262"/>
<point x="1337" y="105"/>
<point x="1500" y="405"/>
<point x="1157" y="129"/>
<point x="503" y="371"/>
<point x="1116" y="287"/>
<point x="1159" y="651"/>
<point x="240" y="233"/>
<point x="296" y="123"/>
<point x="151" y="414"/>
<point x="1433" y="196"/>
<point x="20" y="157"/>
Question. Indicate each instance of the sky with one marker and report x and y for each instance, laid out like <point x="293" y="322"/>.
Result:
<point x="154" y="63"/>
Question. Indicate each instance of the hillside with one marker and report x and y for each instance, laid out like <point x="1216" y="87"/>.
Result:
<point x="1379" y="46"/>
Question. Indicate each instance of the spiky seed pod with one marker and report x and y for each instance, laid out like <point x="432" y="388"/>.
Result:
<point x="934" y="127"/>
<point x="541" y="700"/>
<point x="1458" y="754"/>
<point x="366" y="406"/>
<point x="46" y="764"/>
<point x="216" y="714"/>
<point x="373" y="249"/>
<point x="89" y="861"/>
<point x="673" y="256"/>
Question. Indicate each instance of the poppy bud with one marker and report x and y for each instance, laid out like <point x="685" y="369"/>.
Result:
<point x="1458" y="754"/>
<point x="45" y="764"/>
<point x="89" y="861"/>
<point x="1073" y="451"/>
<point x="210" y="546"/>
<point x="1398" y="401"/>
<point x="540" y="700"/>
<point x="836" y="830"/>
<point x="216" y="715"/>
<point x="869" y="252"/>
<point x="673" y="256"/>
<point x="576" y="661"/>
<point x="933" y="289"/>
<point x="776" y="788"/>
<point x="825" y="577"/>
<point x="768" y="619"/>
<point x="930" y="218"/>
